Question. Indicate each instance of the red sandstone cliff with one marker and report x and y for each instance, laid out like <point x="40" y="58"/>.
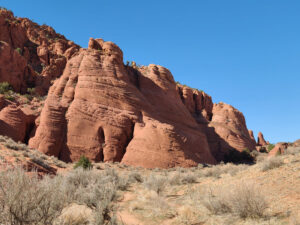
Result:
<point x="105" y="110"/>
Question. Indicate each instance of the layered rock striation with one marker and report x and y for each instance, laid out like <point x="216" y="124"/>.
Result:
<point x="98" y="107"/>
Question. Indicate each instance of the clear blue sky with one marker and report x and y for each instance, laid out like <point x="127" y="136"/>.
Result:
<point x="242" y="52"/>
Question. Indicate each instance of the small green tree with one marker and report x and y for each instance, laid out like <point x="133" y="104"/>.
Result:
<point x="84" y="162"/>
<point x="5" y="87"/>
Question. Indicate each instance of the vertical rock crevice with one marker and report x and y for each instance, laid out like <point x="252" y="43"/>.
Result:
<point x="129" y="139"/>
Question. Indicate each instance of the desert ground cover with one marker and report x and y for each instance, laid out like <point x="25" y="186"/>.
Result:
<point x="266" y="192"/>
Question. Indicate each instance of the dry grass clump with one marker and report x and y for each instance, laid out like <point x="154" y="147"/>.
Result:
<point x="271" y="163"/>
<point x="34" y="155"/>
<point x="244" y="200"/>
<point x="11" y="144"/>
<point x="29" y="200"/>
<point x="185" y="178"/>
<point x="152" y="206"/>
<point x="156" y="183"/>
<point x="292" y="151"/>
<point x="40" y="161"/>
<point x="135" y="177"/>
<point x="228" y="168"/>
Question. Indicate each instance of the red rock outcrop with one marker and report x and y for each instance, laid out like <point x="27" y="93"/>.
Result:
<point x="278" y="149"/>
<point x="98" y="107"/>
<point x="17" y="122"/>
<point x="261" y="140"/>
<point x="31" y="55"/>
<point x="110" y="112"/>
<point x="198" y="103"/>
<point x="230" y="125"/>
<point x="252" y="136"/>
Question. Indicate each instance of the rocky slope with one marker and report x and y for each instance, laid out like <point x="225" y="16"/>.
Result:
<point x="99" y="107"/>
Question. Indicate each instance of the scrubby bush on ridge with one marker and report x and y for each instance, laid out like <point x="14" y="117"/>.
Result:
<point x="83" y="162"/>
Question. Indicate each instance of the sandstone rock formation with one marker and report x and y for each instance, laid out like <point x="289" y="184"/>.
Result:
<point x="230" y="124"/>
<point x="111" y="112"/>
<point x="99" y="107"/>
<point x="31" y="55"/>
<point x="278" y="149"/>
<point x="261" y="140"/>
<point x="252" y="136"/>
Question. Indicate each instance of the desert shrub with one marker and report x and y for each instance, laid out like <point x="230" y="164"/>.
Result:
<point x="235" y="156"/>
<point x="244" y="200"/>
<point x="228" y="168"/>
<point x="28" y="96"/>
<point x="59" y="163"/>
<point x="270" y="147"/>
<point x="29" y="200"/>
<point x="10" y="96"/>
<point x="11" y="144"/>
<point x="152" y="206"/>
<point x="40" y="162"/>
<point x="271" y="163"/>
<point x="121" y="182"/>
<point x="3" y="138"/>
<point x="292" y="150"/>
<point x="31" y="91"/>
<point x="84" y="163"/>
<point x="182" y="178"/>
<point x="156" y="183"/>
<point x="5" y="87"/>
<point x="7" y="90"/>
<point x="175" y="179"/>
<point x="135" y="177"/>
<point x="97" y="190"/>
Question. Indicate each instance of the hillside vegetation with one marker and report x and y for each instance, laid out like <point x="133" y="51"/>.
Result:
<point x="266" y="192"/>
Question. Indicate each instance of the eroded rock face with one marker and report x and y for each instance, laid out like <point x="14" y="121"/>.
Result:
<point x="278" y="149"/>
<point x="98" y="107"/>
<point x="198" y="103"/>
<point x="31" y="55"/>
<point x="261" y="140"/>
<point x="107" y="111"/>
<point x="251" y="135"/>
<point x="17" y="122"/>
<point x="230" y="125"/>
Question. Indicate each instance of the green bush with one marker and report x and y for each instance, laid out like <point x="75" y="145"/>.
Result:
<point x="83" y="162"/>
<point x="7" y="90"/>
<point x="31" y="91"/>
<point x="5" y="87"/>
<point x="270" y="147"/>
